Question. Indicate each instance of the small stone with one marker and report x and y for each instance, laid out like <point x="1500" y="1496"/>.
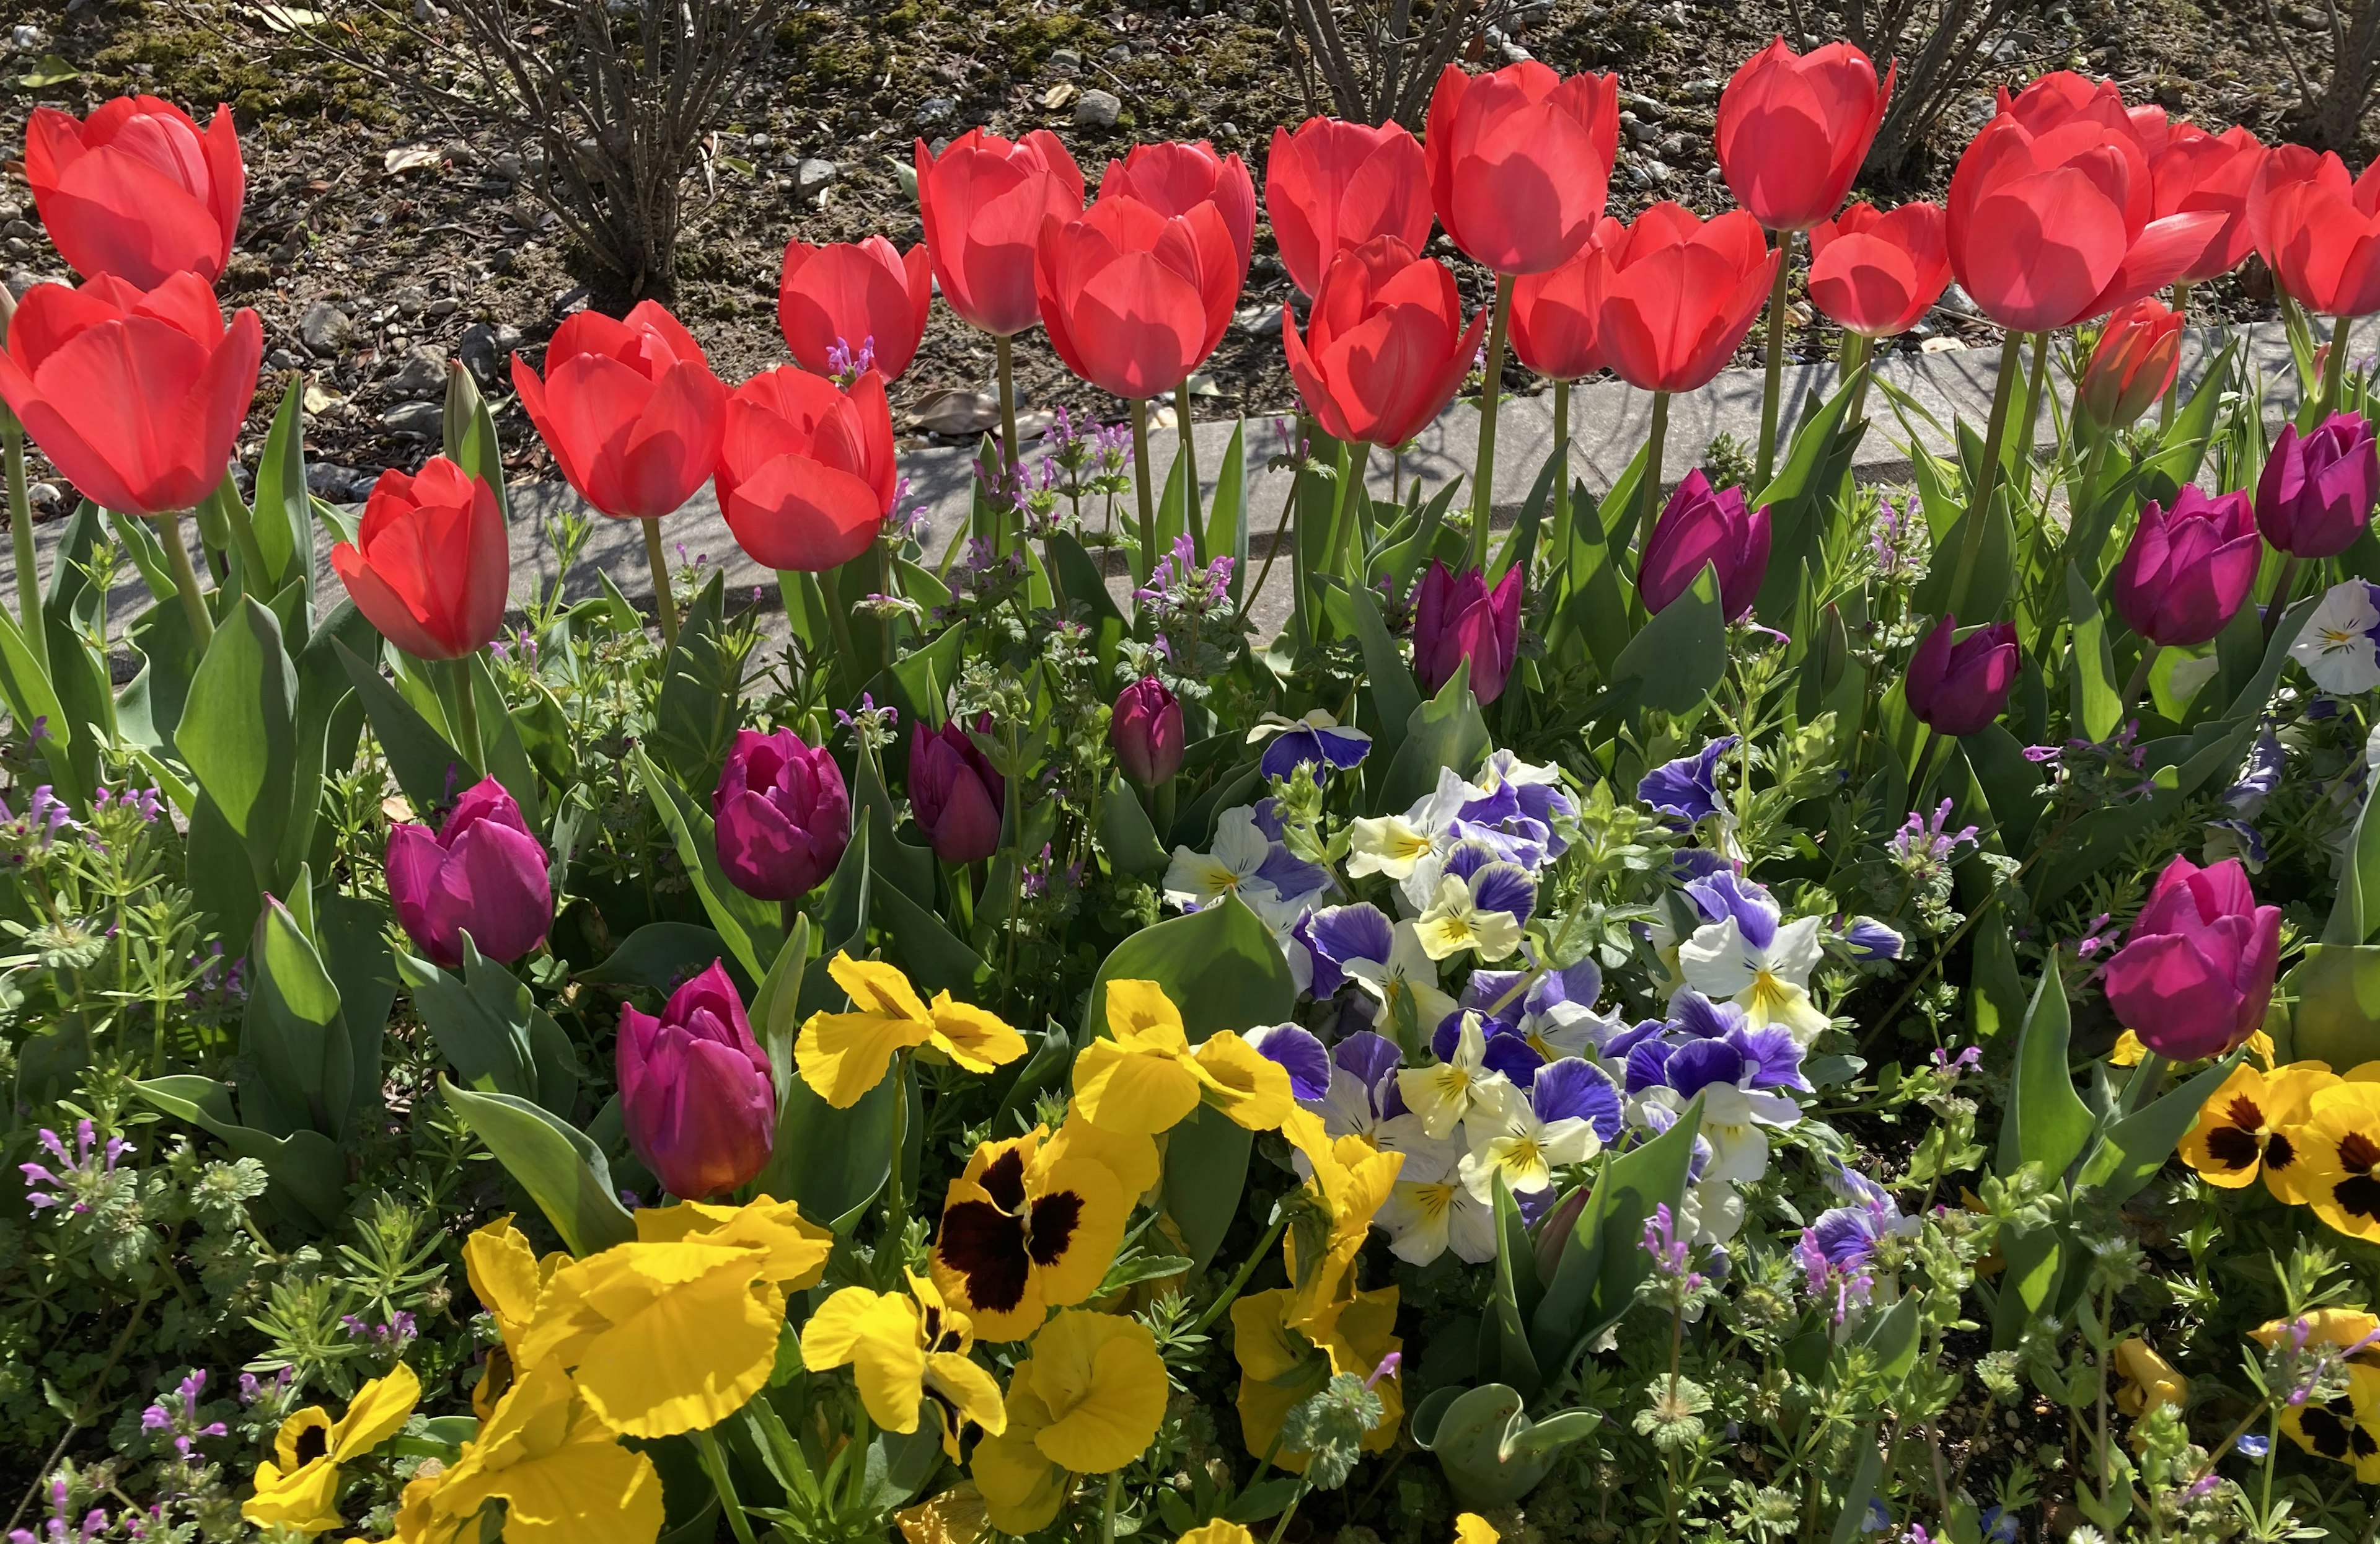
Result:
<point x="281" y="358"/>
<point x="1673" y="147"/>
<point x="328" y="480"/>
<point x="814" y="175"/>
<point x="1942" y="344"/>
<point x="325" y="329"/>
<point x="422" y="420"/>
<point x="507" y="166"/>
<point x="45" y="495"/>
<point x="421" y="373"/>
<point x="756" y="143"/>
<point x="17" y="247"/>
<point x="936" y="109"/>
<point x="1515" y="53"/>
<point x="478" y="350"/>
<point x="25" y="35"/>
<point x="1120" y="55"/>
<point x="445" y="305"/>
<point x="18" y="227"/>
<point x="1066" y="59"/>
<point x="1645" y="106"/>
<point x="1098" y="109"/>
<point x="1228" y="130"/>
<point x="459" y="151"/>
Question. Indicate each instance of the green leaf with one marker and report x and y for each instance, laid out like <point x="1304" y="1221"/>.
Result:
<point x="2098" y="703"/>
<point x="1227" y="518"/>
<point x="658" y="957"/>
<point x="1219" y="967"/>
<point x="930" y="953"/>
<point x="921" y="680"/>
<point x="431" y="770"/>
<point x="492" y="1031"/>
<point x="1593" y="604"/>
<point x="1521" y="543"/>
<point x="1205" y="1170"/>
<point x="1851" y="1524"/>
<point x="2129" y="1152"/>
<point x="1396" y="697"/>
<point x="752" y="928"/>
<point x="307" y="1170"/>
<point x="238" y="733"/>
<point x="563" y="1172"/>
<point x="1042" y="1072"/>
<point x="1602" y="1261"/>
<point x="2036" y="1260"/>
<point x="906" y="867"/>
<point x="351" y="934"/>
<point x="30" y="700"/>
<point x="695" y="717"/>
<point x="50" y="70"/>
<point x="283" y="513"/>
<point x="1893" y="1339"/>
<point x="776" y="1006"/>
<point x="2336" y="1018"/>
<point x="1078" y="579"/>
<point x="508" y="761"/>
<point x="831" y="1162"/>
<point x="2047" y="1122"/>
<point x="1515" y="1295"/>
<point x="1447" y="731"/>
<point x="1990" y="584"/>
<point x="1125" y="833"/>
<point x="1680" y="654"/>
<point x="294" y="1034"/>
<point x="470" y="436"/>
<point x="1491" y="1451"/>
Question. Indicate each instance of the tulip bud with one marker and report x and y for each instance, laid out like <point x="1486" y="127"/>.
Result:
<point x="954" y="794"/>
<point x="696" y="1094"/>
<point x="2139" y="351"/>
<point x="1793" y="129"/>
<point x="1147" y="731"/>
<point x="482" y="872"/>
<point x="1830" y="651"/>
<point x="1955" y="684"/>
<point x="782" y="815"/>
<point x="1701" y="525"/>
<point x="1458" y="618"/>
<point x="2189" y="569"/>
<point x="2316" y="495"/>
<point x="429" y="566"/>
<point x="2196" y="975"/>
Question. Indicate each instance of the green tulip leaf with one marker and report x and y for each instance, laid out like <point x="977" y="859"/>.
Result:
<point x="563" y="1172"/>
<point x="1491" y="1451"/>
<point x="752" y="928"/>
<point x="2047" y="1122"/>
<point x="306" y="1169"/>
<point x="1673" y="663"/>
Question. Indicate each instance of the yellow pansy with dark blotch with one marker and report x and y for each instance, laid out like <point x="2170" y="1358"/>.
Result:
<point x="1032" y="1224"/>
<point x="2248" y="1127"/>
<point x="2346" y="1428"/>
<point x="2341" y="1137"/>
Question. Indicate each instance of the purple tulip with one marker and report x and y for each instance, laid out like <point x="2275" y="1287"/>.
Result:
<point x="2188" y="569"/>
<point x="954" y="794"/>
<point x="1956" y="688"/>
<point x="1457" y="617"/>
<point x="782" y="813"/>
<point x="1147" y="732"/>
<point x="696" y="1093"/>
<point x="2196" y="975"/>
<point x="481" y="873"/>
<point x="2316" y="495"/>
<point x="1699" y="526"/>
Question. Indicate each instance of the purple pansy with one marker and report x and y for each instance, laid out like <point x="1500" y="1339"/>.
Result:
<point x="1687" y="788"/>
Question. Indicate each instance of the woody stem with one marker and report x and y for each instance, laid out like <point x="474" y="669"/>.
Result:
<point x="664" y="601"/>
<point x="186" y="580"/>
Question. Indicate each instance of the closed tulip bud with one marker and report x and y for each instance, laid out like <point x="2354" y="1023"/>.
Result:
<point x="1331" y="184"/>
<point x="1793" y="128"/>
<point x="855" y="295"/>
<point x="2188" y="568"/>
<point x="136" y="398"/>
<point x="1705" y="526"/>
<point x="1956" y="686"/>
<point x="1520" y="161"/>
<point x="954" y="794"/>
<point x="805" y="470"/>
<point x="780" y="814"/>
<point x="1134" y="300"/>
<point x="2316" y="495"/>
<point x="2195" y="976"/>
<point x="137" y="190"/>
<point x="1145" y="729"/>
<point x="2138" y="354"/>
<point x="430" y="567"/>
<point x="1683" y="292"/>
<point x="1876" y="274"/>
<point x="696" y="1093"/>
<point x="629" y="408"/>
<point x="1385" y="347"/>
<point x="1830" y="652"/>
<point x="1175" y="177"/>
<point x="1457" y="617"/>
<point x="983" y="200"/>
<point x="482" y="872"/>
<point x="1556" y="314"/>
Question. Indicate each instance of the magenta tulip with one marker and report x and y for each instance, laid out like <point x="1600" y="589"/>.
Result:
<point x="1145" y="729"/>
<point x="1457" y="617"/>
<point x="2188" y="569"/>
<point x="1956" y="685"/>
<point x="954" y="794"/>
<point x="481" y="873"/>
<point x="696" y="1094"/>
<point x="783" y="816"/>
<point x="2316" y="494"/>
<point x="1700" y="525"/>
<point x="2196" y="975"/>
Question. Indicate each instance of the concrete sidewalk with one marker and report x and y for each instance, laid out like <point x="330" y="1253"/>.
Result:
<point x="1608" y="421"/>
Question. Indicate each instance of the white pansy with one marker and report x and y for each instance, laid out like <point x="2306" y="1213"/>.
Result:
<point x="2338" y="645"/>
<point x="1430" y="1209"/>
<point x="1771" y="985"/>
<point x="1406" y="980"/>
<point x="1196" y="879"/>
<point x="1512" y="1140"/>
<point x="1446" y="1093"/>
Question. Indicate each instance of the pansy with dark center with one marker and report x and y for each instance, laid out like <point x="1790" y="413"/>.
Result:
<point x="1028" y="1227"/>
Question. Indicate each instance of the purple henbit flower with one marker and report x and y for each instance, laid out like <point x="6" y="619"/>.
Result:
<point x="1673" y="1255"/>
<point x="2097" y="938"/>
<point x="395" y="1335"/>
<point x="183" y="1424"/>
<point x="870" y="724"/>
<point x="845" y="365"/>
<point x="1387" y="1367"/>
<point x="1919" y="839"/>
<point x="1964" y="1061"/>
<point x="78" y="1175"/>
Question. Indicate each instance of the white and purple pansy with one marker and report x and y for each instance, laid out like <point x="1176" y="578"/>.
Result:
<point x="1359" y="943"/>
<point x="1508" y="1050"/>
<point x="1865" y="938"/>
<point x="1538" y="791"/>
<point x="2339" y="645"/>
<point x="1747" y="951"/>
<point x="1317" y="741"/>
<point x="1687" y="788"/>
<point x="1430" y="1209"/>
<point x="1838" y="1250"/>
<point x="1393" y="845"/>
<point x="1363" y="1087"/>
<point x="1295" y="1050"/>
<point x="1523" y="1143"/>
<point x="1556" y="1016"/>
<point x="1480" y="901"/>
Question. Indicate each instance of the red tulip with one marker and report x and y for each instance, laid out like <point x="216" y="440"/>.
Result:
<point x="2325" y="236"/>
<point x="629" y="408"/>
<point x="1134" y="300"/>
<point x="1174" y="177"/>
<point x="1684" y="292"/>
<point x="1555" y="314"/>
<point x="136" y="190"/>
<point x="1385" y="347"/>
<point x="430" y="567"/>
<point x="136" y="398"/>
<point x="1793" y="129"/>
<point x="2053" y="229"/>
<point x="1332" y="185"/>
<point x="1877" y="272"/>
<point x="2063" y="97"/>
<point x="858" y="296"/>
<point x="2282" y="165"/>
<point x="2138" y="354"/>
<point x="1519" y="161"/>
<point x="2201" y="171"/>
<point x="805" y="473"/>
<point x="983" y="201"/>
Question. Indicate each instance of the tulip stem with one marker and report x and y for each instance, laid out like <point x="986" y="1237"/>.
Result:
<point x="1987" y="475"/>
<point x="185" y="578"/>
<point x="466" y="715"/>
<point x="1148" y="558"/>
<point x="1189" y="443"/>
<point x="1648" y="491"/>
<point x="2282" y="589"/>
<point x="1858" y="351"/>
<point x="2334" y="365"/>
<point x="1491" y="386"/>
<point x="233" y="510"/>
<point x="1004" y="349"/>
<point x="2181" y="309"/>
<point x="1562" y="473"/>
<point x="2142" y="1085"/>
<point x="664" y="601"/>
<point x="20" y="533"/>
<point x="2139" y="682"/>
<point x="1775" y="388"/>
<point x="1350" y="479"/>
<point x="1280" y="534"/>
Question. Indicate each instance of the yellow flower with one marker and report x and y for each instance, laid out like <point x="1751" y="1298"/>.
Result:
<point x="507" y="1276"/>
<point x="1217" y="1532"/>
<point x="2346" y="1428"/>
<point x="904" y="1350"/>
<point x="1143" y="1077"/>
<point x="564" y="1477"/>
<point x="953" y="1516"/>
<point x="1128" y="1155"/>
<point x="1281" y="1367"/>
<point x="2247" y="1128"/>
<point x="2129" y="1051"/>
<point x="2149" y="1381"/>
<point x="674" y="1331"/>
<point x="298" y="1485"/>
<point x="1471" y="1528"/>
<point x="1030" y="1225"/>
<point x="843" y="1055"/>
<point x="1354" y="1180"/>
<point x="1087" y="1400"/>
<point x="2351" y="1330"/>
<point x="2340" y="1140"/>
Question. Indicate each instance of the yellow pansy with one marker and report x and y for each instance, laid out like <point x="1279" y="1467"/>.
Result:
<point x="2247" y="1128"/>
<point x="1030" y="1225"/>
<point x="2351" y="1330"/>
<point x="506" y="1276"/>
<point x="1128" y="1155"/>
<point x="952" y="1516"/>
<point x="2341" y="1156"/>
<point x="298" y="1485"/>
<point x="674" y="1331"/>
<point x="1217" y="1532"/>
<point x="2346" y="1428"/>
<point x="1471" y="1528"/>
<point x="904" y="1349"/>
<point x="1354" y="1180"/>
<point x="2129" y="1049"/>
<point x="1143" y="1077"/>
<point x="562" y="1474"/>
<point x="843" y="1055"/>
<point x="1087" y="1400"/>
<point x="1281" y="1366"/>
<point x="2147" y="1380"/>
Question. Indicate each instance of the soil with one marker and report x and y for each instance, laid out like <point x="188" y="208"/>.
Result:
<point x="418" y="249"/>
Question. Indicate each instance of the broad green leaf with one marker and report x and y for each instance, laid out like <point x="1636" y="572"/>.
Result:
<point x="1077" y="576"/>
<point x="1491" y="1451"/>
<point x="282" y="515"/>
<point x="921" y="680"/>
<point x="2036" y="1260"/>
<point x="1851" y="1522"/>
<point x="293" y="1035"/>
<point x="1893" y="1338"/>
<point x="658" y="957"/>
<point x="430" y="770"/>
<point x="1602" y="1261"/>
<point x="2129" y="1153"/>
<point x="2336" y="1016"/>
<point x="933" y="957"/>
<point x="1993" y="581"/>
<point x="1125" y="833"/>
<point x="2098" y="704"/>
<point x="696" y="715"/>
<point x="1395" y="695"/>
<point x="500" y="737"/>
<point x="1447" y="731"/>
<point x="563" y="1172"/>
<point x="2047" y="1122"/>
<point x="1042" y="1072"/>
<point x="470" y="436"/>
<point x="902" y="865"/>
<point x="1594" y="600"/>
<point x="1219" y="967"/>
<point x="752" y="928"/>
<point x="492" y="1031"/>
<point x="1205" y="1170"/>
<point x="1521" y="542"/>
<point x="831" y="1162"/>
<point x="31" y="701"/>
<point x="1514" y="1295"/>
<point x="1227" y="518"/>
<point x="307" y="1170"/>
<point x="1680" y="656"/>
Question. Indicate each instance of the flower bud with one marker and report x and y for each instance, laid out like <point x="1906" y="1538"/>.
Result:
<point x="1701" y="525"/>
<point x="2316" y="494"/>
<point x="1955" y="684"/>
<point x="954" y="794"/>
<point x="481" y="873"/>
<point x="696" y="1094"/>
<point x="1458" y="618"/>
<point x="1147" y="732"/>
<point x="2196" y="975"/>
<point x="783" y="816"/>
<point x="2187" y="568"/>
<point x="2139" y="352"/>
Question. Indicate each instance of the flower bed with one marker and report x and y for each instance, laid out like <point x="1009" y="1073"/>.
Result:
<point x="1642" y="1024"/>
